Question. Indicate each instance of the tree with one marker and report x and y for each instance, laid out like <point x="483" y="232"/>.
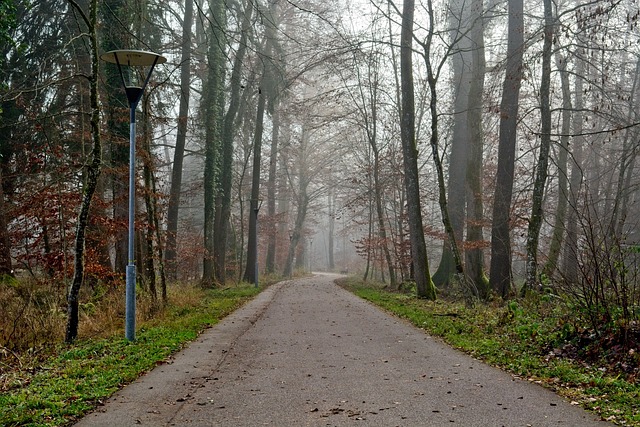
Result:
<point x="500" y="272"/>
<point x="425" y="286"/>
<point x="461" y="59"/>
<point x="223" y="204"/>
<point x="562" y="160"/>
<point x="93" y="172"/>
<point x="181" y="136"/>
<point x="535" y="220"/>
<point x="213" y="104"/>
<point x="474" y="263"/>
<point x="116" y="36"/>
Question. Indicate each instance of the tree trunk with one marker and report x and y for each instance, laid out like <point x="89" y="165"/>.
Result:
<point x="570" y="265"/>
<point x="181" y="136"/>
<point x="425" y="287"/>
<point x="500" y="273"/>
<point x="213" y="105"/>
<point x="302" y="199"/>
<point x="118" y="143"/>
<point x="561" y="163"/>
<point x="535" y="220"/>
<point x="93" y="172"/>
<point x="461" y="62"/>
<point x="223" y="204"/>
<point x="432" y="77"/>
<point x="5" y="243"/>
<point x="331" y="265"/>
<point x="150" y="205"/>
<point x="272" y="235"/>
<point x="627" y="164"/>
<point x="474" y="265"/>
<point x="251" y="271"/>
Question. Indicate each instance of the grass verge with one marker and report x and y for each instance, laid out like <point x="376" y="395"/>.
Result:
<point x="524" y="337"/>
<point x="76" y="378"/>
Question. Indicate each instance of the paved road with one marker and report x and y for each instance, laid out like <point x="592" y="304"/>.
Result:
<point x="308" y="353"/>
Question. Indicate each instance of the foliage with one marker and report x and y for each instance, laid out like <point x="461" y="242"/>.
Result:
<point x="537" y="338"/>
<point x="50" y="392"/>
<point x="7" y="22"/>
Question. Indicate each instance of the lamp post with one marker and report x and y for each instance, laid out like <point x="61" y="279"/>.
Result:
<point x="132" y="60"/>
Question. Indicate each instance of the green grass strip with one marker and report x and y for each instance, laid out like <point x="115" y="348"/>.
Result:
<point x="80" y="376"/>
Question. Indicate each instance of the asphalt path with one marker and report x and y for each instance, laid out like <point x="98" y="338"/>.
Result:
<point x="308" y="353"/>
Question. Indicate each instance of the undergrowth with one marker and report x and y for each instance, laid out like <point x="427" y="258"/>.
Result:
<point x="66" y="381"/>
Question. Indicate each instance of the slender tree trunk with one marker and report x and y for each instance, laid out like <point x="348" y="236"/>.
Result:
<point x="223" y="210"/>
<point x="474" y="265"/>
<point x="461" y="62"/>
<point x="296" y="235"/>
<point x="432" y="77"/>
<point x="500" y="274"/>
<point x="302" y="199"/>
<point x="181" y="136"/>
<point x="251" y="271"/>
<point x="112" y="12"/>
<point x="535" y="220"/>
<point x="331" y="265"/>
<point x="424" y="285"/>
<point x="93" y="172"/>
<point x="382" y="229"/>
<point x="5" y="243"/>
<point x="213" y="102"/>
<point x="270" y="262"/>
<point x="559" y="224"/>
<point x="150" y="204"/>
<point x="570" y="265"/>
<point x="627" y="164"/>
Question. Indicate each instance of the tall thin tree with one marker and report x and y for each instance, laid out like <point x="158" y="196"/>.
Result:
<point x="424" y="285"/>
<point x="500" y="273"/>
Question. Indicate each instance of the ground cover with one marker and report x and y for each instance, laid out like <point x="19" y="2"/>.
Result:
<point x="66" y="381"/>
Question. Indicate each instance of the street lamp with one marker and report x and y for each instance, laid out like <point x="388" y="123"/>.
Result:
<point x="131" y="65"/>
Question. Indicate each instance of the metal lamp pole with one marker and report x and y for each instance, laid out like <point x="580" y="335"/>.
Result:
<point x="132" y="58"/>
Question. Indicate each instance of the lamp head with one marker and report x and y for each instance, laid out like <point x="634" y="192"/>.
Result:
<point x="132" y="65"/>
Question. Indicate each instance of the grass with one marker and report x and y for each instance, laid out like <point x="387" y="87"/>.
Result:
<point x="75" y="379"/>
<point x="524" y="337"/>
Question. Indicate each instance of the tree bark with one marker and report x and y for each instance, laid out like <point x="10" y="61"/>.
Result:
<point x="93" y="172"/>
<point x="424" y="285"/>
<point x="213" y="106"/>
<point x="270" y="261"/>
<point x="500" y="273"/>
<point x="561" y="163"/>
<point x="181" y="136"/>
<point x="570" y="264"/>
<point x="5" y="243"/>
<point x="461" y="62"/>
<point x="251" y="271"/>
<point x="535" y="220"/>
<point x="223" y="205"/>
<point x="474" y="265"/>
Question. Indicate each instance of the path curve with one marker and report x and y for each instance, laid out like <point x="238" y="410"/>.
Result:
<point x="308" y="353"/>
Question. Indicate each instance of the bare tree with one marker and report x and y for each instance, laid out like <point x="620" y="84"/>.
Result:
<point x="535" y="220"/>
<point x="93" y="172"/>
<point x="424" y="284"/>
<point x="500" y="273"/>
<point x="181" y="136"/>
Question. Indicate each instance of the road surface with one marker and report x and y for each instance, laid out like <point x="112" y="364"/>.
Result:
<point x="308" y="353"/>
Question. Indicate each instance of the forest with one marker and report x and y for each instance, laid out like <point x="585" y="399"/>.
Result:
<point x="477" y="149"/>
